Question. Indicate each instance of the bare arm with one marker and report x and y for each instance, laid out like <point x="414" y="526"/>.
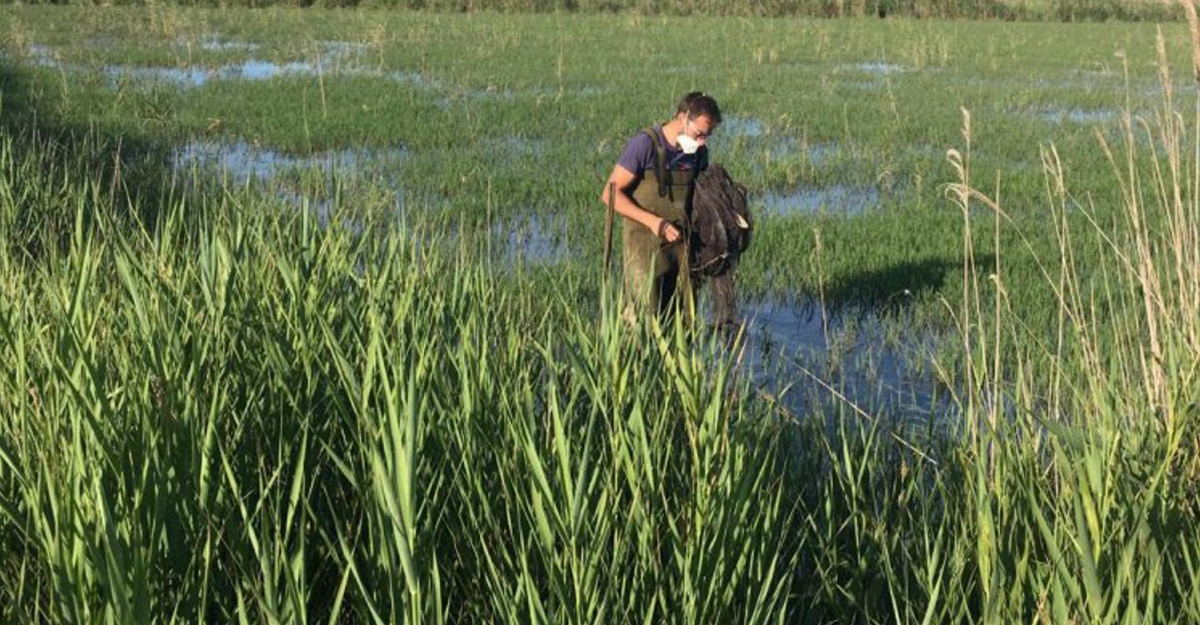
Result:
<point x="624" y="205"/>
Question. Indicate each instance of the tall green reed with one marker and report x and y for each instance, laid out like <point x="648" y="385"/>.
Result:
<point x="242" y="410"/>
<point x="1063" y="489"/>
<point x="1075" y="450"/>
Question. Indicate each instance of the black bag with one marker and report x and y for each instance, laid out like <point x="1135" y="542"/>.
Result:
<point x="721" y="226"/>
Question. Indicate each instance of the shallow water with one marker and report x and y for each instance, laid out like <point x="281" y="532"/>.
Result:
<point x="332" y="53"/>
<point x="265" y="70"/>
<point x="173" y="76"/>
<point x="334" y="58"/>
<point x="457" y="95"/>
<point x="1077" y="116"/>
<point x="879" y="68"/>
<point x="835" y="199"/>
<point x="926" y="150"/>
<point x="799" y="353"/>
<point x="244" y="161"/>
<point x="821" y="153"/>
<point x="773" y="148"/>
<point x="216" y="43"/>
<point x="533" y="239"/>
<point x="414" y="79"/>
<point x="518" y="147"/>
<point x="742" y="127"/>
<point x="778" y="147"/>
<point x="191" y="77"/>
<point x="40" y="55"/>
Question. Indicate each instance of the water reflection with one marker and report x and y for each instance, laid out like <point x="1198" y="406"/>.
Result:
<point x="216" y="43"/>
<point x="335" y="58"/>
<point x="1078" y="116"/>
<point x="191" y="77"/>
<point x="40" y="55"/>
<point x="808" y="357"/>
<point x="879" y="68"/>
<point x="533" y="239"/>
<point x="821" y="153"/>
<point x="316" y="182"/>
<point x="773" y="148"/>
<point x="518" y="147"/>
<point x="331" y="55"/>
<point x="838" y="198"/>
<point x="179" y="77"/>
<point x="742" y="127"/>
<point x="243" y="161"/>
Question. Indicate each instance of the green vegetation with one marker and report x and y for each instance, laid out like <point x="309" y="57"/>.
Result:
<point x="332" y="395"/>
<point x="1046" y="10"/>
<point x="868" y="106"/>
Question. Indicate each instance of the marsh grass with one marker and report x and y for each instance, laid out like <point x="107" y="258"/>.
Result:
<point x="167" y="15"/>
<point x="511" y="114"/>
<point x="221" y="407"/>
<point x="239" y="413"/>
<point x="243" y="413"/>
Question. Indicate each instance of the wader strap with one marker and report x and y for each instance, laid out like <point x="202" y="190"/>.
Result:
<point x="660" y="164"/>
<point x="701" y="164"/>
<point x="687" y="208"/>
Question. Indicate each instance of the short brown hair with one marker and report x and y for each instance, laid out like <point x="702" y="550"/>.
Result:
<point x="698" y="103"/>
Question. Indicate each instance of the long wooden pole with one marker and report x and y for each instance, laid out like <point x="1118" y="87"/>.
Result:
<point x="608" y="229"/>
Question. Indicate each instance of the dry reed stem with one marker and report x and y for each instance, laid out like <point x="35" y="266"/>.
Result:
<point x="1189" y="11"/>
<point x="1187" y="238"/>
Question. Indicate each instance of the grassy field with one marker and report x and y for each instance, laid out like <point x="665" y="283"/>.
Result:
<point x="867" y="108"/>
<point x="1023" y="10"/>
<point x="303" y="320"/>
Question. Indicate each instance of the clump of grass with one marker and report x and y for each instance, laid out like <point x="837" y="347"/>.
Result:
<point x="250" y="413"/>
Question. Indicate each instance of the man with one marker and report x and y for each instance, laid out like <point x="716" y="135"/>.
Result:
<point x="653" y="181"/>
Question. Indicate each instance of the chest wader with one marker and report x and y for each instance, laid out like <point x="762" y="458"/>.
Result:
<point x="656" y="273"/>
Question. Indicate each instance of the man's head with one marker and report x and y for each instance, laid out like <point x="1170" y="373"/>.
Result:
<point x="698" y="115"/>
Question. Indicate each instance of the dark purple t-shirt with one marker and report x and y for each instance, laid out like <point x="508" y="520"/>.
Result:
<point x="639" y="155"/>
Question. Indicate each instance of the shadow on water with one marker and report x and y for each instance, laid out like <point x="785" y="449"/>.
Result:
<point x="811" y="358"/>
<point x="892" y="289"/>
<point x="858" y="347"/>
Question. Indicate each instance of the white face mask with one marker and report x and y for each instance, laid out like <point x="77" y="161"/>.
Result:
<point x="687" y="144"/>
